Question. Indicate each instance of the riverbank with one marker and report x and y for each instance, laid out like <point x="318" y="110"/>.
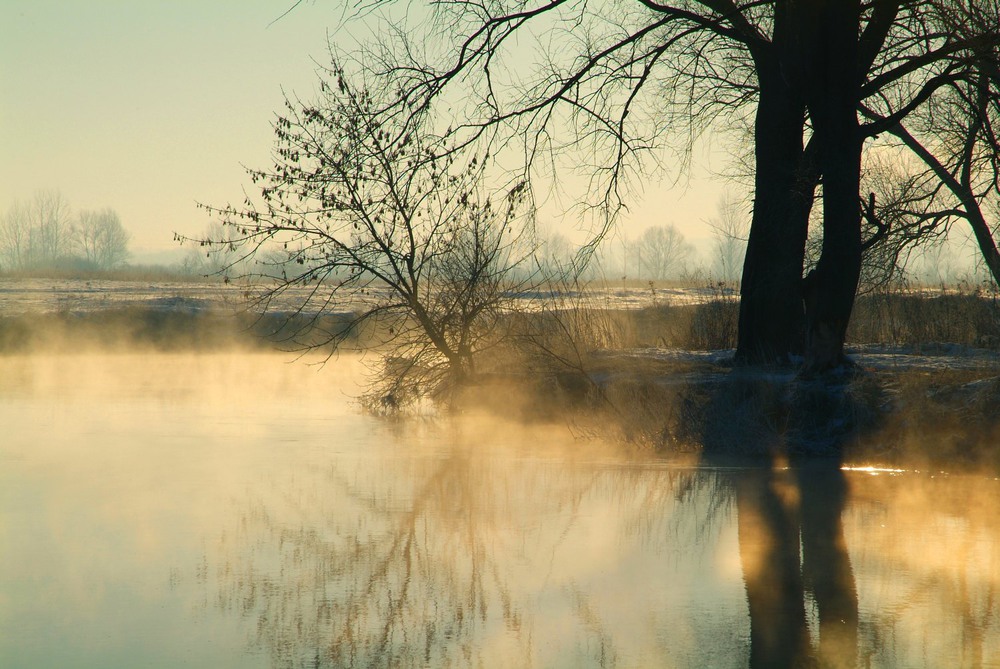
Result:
<point x="657" y="378"/>
<point x="929" y="408"/>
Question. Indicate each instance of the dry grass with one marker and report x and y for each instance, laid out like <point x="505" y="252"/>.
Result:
<point x="566" y="369"/>
<point x="966" y="315"/>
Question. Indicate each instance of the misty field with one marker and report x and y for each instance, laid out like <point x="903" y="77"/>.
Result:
<point x="176" y="492"/>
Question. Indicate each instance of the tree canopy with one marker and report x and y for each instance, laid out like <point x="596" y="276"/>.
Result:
<point x="380" y="218"/>
<point x="823" y="86"/>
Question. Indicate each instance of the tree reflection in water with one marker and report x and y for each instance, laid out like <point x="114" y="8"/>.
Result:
<point x="465" y="559"/>
<point x="472" y="557"/>
<point x="794" y="520"/>
<point x="792" y="546"/>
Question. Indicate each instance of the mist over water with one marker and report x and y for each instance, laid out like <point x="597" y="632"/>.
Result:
<point x="238" y="510"/>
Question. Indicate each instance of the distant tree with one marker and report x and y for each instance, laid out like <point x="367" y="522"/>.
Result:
<point x="377" y="215"/>
<point x="556" y="254"/>
<point x="615" y="256"/>
<point x="662" y="252"/>
<point x="49" y="228"/>
<point x="730" y="228"/>
<point x="216" y="258"/>
<point x="100" y="239"/>
<point x="36" y="234"/>
<point x="937" y="266"/>
<point x="15" y="232"/>
<point x="42" y="234"/>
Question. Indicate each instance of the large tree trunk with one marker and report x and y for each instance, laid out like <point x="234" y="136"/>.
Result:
<point x="830" y="38"/>
<point x="772" y="319"/>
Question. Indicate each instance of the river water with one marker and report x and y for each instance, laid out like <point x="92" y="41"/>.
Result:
<point x="239" y="511"/>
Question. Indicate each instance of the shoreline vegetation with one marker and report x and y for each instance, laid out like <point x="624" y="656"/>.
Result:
<point x="921" y="391"/>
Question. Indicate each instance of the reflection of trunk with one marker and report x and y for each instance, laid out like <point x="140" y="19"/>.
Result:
<point x="769" y="553"/>
<point x="776" y="580"/>
<point x="826" y="565"/>
<point x="830" y="38"/>
<point x="771" y="315"/>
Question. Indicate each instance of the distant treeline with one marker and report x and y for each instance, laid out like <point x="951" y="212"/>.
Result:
<point x="43" y="234"/>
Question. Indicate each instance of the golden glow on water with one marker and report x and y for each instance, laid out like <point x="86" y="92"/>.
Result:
<point x="236" y="510"/>
<point x="873" y="470"/>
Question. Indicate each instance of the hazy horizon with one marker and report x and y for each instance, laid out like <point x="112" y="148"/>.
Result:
<point x="148" y="109"/>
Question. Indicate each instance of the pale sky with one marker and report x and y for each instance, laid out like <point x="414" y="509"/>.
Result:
<point x="150" y="107"/>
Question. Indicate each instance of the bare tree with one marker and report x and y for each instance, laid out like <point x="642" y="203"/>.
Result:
<point x="730" y="228"/>
<point x="49" y="232"/>
<point x="15" y="231"/>
<point x="662" y="252"/>
<point x="937" y="267"/>
<point x="375" y="215"/>
<point x="219" y="257"/>
<point x="556" y="254"/>
<point x="36" y="234"/>
<point x="954" y="134"/>
<point x="100" y="239"/>
<point x="900" y="215"/>
<point x="615" y="81"/>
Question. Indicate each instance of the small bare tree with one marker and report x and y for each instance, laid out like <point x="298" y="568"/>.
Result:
<point x="374" y="214"/>
<point x="15" y="231"/>
<point x="662" y="251"/>
<point x="50" y="228"/>
<point x="100" y="239"/>
<point x="730" y="228"/>
<point x="36" y="234"/>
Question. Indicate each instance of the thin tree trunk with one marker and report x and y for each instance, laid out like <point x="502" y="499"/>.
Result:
<point x="830" y="36"/>
<point x="963" y="193"/>
<point x="984" y="238"/>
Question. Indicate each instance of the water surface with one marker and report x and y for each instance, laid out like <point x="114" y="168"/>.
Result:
<point x="238" y="511"/>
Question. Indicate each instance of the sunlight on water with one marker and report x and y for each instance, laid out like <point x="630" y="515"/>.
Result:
<point x="238" y="511"/>
<point x="874" y="471"/>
